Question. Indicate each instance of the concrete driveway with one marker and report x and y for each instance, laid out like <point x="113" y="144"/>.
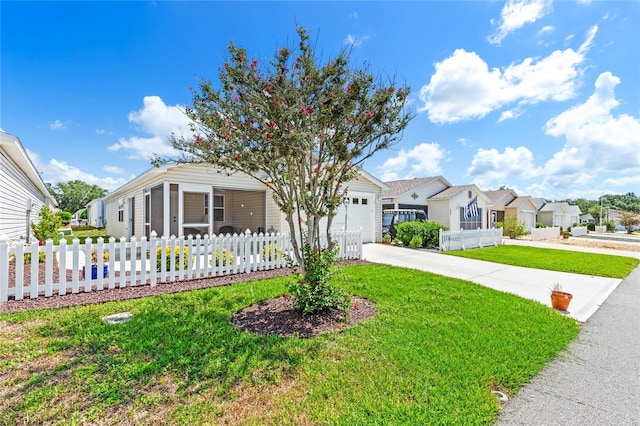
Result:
<point x="589" y="292"/>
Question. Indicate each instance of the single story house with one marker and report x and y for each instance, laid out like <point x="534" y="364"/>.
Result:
<point x="22" y="191"/>
<point x="587" y="218"/>
<point x="559" y="214"/>
<point x="449" y="206"/>
<point x="499" y="199"/>
<point x="95" y="213"/>
<point x="525" y="209"/>
<point x="190" y="199"/>
<point x="412" y="193"/>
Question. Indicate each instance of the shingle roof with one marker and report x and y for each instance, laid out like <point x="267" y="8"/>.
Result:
<point x="498" y="194"/>
<point x="519" y="201"/>
<point x="399" y="187"/>
<point x="450" y="192"/>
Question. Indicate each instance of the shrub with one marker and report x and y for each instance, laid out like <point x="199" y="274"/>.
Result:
<point x="428" y="231"/>
<point x="313" y="291"/>
<point x="513" y="227"/>
<point x="416" y="242"/>
<point x="42" y="257"/>
<point x="47" y="227"/>
<point x="540" y="225"/>
<point x="499" y="225"/>
<point x="386" y="238"/>
<point x="175" y="259"/>
<point x="65" y="217"/>
<point x="591" y="226"/>
<point x="611" y="225"/>
<point x="271" y="252"/>
<point x="227" y="258"/>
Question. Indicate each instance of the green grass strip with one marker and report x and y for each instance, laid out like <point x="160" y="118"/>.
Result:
<point x="601" y="265"/>
<point x="432" y="355"/>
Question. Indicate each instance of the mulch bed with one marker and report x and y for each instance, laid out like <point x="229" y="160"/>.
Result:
<point x="277" y="316"/>
<point x="274" y="316"/>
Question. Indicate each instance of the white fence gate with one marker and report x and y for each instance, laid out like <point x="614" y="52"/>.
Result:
<point x="538" y="234"/>
<point x="462" y="240"/>
<point x="144" y="262"/>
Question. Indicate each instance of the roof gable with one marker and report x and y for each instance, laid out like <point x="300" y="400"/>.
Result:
<point x="398" y="188"/>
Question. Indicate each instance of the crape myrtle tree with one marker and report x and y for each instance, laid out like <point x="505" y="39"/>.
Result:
<point x="300" y="127"/>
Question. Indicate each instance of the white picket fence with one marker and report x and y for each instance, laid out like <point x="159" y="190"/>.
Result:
<point x="473" y="238"/>
<point x="578" y="231"/>
<point x="135" y="262"/>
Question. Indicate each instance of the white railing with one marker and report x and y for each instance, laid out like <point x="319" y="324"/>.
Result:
<point x="474" y="238"/>
<point x="538" y="234"/>
<point x="141" y="261"/>
<point x="578" y="231"/>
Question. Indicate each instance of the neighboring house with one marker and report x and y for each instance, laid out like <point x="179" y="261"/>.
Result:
<point x="22" y="191"/>
<point x="95" y="213"/>
<point x="499" y="199"/>
<point x="559" y="214"/>
<point x="190" y="199"/>
<point x="448" y="207"/>
<point x="525" y="209"/>
<point x="587" y="218"/>
<point x="412" y="193"/>
<point x="75" y="217"/>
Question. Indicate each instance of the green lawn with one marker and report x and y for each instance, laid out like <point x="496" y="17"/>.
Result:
<point x="84" y="232"/>
<point x="600" y="265"/>
<point x="436" y="349"/>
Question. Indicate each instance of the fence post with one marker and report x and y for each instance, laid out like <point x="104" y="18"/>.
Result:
<point x="75" y="284"/>
<point x="153" y="260"/>
<point x="4" y="268"/>
<point x="19" y="252"/>
<point x="62" y="267"/>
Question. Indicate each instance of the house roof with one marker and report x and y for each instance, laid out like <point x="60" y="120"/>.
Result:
<point x="552" y="207"/>
<point x="450" y="192"/>
<point x="500" y="198"/>
<point x="154" y="171"/>
<point x="14" y="149"/>
<point x="519" y="201"/>
<point x="400" y="187"/>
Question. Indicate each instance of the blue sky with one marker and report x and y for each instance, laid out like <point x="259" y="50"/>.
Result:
<point x="540" y="96"/>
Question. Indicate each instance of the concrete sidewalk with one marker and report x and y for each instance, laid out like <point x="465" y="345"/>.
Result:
<point x="596" y="381"/>
<point x="589" y="292"/>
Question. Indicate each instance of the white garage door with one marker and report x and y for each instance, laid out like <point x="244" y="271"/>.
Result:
<point x="358" y="217"/>
<point x="529" y="220"/>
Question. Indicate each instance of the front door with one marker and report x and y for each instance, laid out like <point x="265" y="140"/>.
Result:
<point x="132" y="216"/>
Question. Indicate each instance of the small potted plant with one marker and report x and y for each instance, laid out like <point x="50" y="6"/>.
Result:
<point x="94" y="265"/>
<point x="560" y="299"/>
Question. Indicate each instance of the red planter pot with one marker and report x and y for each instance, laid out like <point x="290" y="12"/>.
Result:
<point x="560" y="300"/>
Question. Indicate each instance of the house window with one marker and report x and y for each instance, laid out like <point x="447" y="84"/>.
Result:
<point x="120" y="210"/>
<point x="218" y="208"/>
<point x="365" y="201"/>
<point x="355" y="201"/>
<point x="470" y="194"/>
<point x="472" y="223"/>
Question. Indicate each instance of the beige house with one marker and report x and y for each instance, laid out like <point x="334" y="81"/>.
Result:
<point x="499" y="199"/>
<point x="190" y="199"/>
<point x="448" y="207"/>
<point x="412" y="193"/>
<point x="22" y="191"/>
<point x="525" y="209"/>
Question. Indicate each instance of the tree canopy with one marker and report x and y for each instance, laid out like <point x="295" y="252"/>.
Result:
<point x="300" y="127"/>
<point x="74" y="195"/>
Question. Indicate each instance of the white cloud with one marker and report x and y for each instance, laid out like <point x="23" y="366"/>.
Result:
<point x="57" y="125"/>
<point x="464" y="88"/>
<point x="422" y="160"/>
<point x="548" y="29"/>
<point x="113" y="170"/>
<point x="599" y="141"/>
<point x="624" y="181"/>
<point x="516" y="13"/>
<point x="59" y="171"/>
<point x="158" y="120"/>
<point x="100" y="131"/>
<point x="355" y="40"/>
<point x="490" y="166"/>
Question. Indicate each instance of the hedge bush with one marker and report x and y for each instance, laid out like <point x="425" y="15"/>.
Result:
<point x="428" y="231"/>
